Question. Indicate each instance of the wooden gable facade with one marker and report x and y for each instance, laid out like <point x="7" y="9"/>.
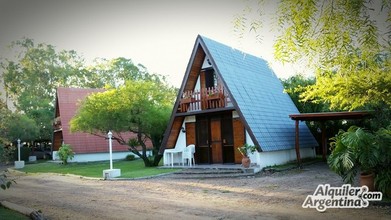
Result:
<point x="204" y="115"/>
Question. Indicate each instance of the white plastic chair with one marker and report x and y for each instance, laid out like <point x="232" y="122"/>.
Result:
<point x="188" y="154"/>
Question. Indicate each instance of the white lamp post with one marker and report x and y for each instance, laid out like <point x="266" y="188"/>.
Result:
<point x="108" y="174"/>
<point x="18" y="149"/>
<point x="110" y="135"/>
<point x="20" y="163"/>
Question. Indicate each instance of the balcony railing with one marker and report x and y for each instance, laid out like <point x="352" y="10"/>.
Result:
<point x="209" y="98"/>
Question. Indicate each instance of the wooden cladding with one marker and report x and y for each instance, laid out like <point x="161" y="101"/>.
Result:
<point x="216" y="136"/>
<point x="239" y="138"/>
<point x="57" y="140"/>
<point x="208" y="98"/>
<point x="174" y="133"/>
<point x="190" y="133"/>
<point x="215" y="140"/>
<point x="195" y="69"/>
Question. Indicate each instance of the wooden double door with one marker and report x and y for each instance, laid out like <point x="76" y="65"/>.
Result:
<point x="214" y="137"/>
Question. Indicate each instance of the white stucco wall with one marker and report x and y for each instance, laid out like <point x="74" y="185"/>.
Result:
<point x="181" y="141"/>
<point x="264" y="159"/>
<point x="98" y="156"/>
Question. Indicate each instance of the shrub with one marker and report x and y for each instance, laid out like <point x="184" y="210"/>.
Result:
<point x="353" y="150"/>
<point x="360" y="150"/>
<point x="130" y="157"/>
<point x="65" y="152"/>
<point x="6" y="153"/>
<point x="383" y="177"/>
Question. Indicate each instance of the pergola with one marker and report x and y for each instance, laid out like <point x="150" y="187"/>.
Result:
<point x="322" y="117"/>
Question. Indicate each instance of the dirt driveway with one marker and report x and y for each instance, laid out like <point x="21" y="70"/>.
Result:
<point x="276" y="196"/>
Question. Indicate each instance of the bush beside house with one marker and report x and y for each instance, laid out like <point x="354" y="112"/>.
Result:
<point x="358" y="150"/>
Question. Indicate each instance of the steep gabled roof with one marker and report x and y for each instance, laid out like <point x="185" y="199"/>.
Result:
<point x="257" y="95"/>
<point x="68" y="101"/>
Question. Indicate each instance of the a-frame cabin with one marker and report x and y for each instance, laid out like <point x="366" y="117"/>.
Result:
<point x="229" y="98"/>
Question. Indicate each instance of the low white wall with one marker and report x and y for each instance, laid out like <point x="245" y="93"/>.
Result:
<point x="264" y="159"/>
<point x="98" y="156"/>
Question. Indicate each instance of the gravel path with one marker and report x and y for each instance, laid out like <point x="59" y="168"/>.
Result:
<point x="275" y="196"/>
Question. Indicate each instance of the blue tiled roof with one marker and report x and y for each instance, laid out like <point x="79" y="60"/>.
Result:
<point x="259" y="96"/>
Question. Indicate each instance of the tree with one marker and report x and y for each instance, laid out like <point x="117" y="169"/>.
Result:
<point x="295" y="86"/>
<point x="140" y="106"/>
<point x="117" y="71"/>
<point x="19" y="126"/>
<point x="4" y="115"/>
<point x="32" y="77"/>
<point x="15" y="126"/>
<point x="6" y="153"/>
<point x="346" y="44"/>
<point x="37" y="72"/>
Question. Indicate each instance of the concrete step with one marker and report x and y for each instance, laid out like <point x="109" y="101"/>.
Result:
<point x="210" y="171"/>
<point x="207" y="176"/>
<point x="213" y="172"/>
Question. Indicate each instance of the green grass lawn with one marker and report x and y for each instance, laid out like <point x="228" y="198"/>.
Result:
<point x="7" y="214"/>
<point x="129" y="169"/>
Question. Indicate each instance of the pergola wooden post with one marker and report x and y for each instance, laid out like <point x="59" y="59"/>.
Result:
<point x="297" y="145"/>
<point x="324" y="141"/>
<point x="322" y="117"/>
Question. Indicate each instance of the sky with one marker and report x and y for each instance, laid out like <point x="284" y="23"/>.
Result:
<point x="159" y="34"/>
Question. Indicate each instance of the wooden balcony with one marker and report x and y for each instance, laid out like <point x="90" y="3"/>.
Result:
<point x="210" y="98"/>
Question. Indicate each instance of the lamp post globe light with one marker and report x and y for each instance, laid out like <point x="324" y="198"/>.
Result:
<point x="18" y="149"/>
<point x="20" y="163"/>
<point x="110" y="173"/>
<point x="110" y="135"/>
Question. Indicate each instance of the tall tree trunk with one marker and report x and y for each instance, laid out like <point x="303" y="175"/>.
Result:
<point x="157" y="159"/>
<point x="144" y="156"/>
<point x="147" y="162"/>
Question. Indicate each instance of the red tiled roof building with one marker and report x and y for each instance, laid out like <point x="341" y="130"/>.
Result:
<point x="87" y="147"/>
